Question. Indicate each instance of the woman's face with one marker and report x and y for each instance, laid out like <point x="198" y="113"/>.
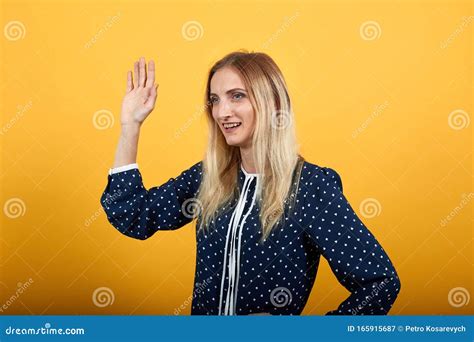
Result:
<point x="231" y="105"/>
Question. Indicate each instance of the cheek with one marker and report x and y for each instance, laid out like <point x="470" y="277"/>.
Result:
<point x="214" y="116"/>
<point x="248" y="113"/>
<point x="250" y="118"/>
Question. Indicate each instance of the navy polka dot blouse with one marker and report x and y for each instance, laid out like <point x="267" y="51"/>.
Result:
<point x="237" y="275"/>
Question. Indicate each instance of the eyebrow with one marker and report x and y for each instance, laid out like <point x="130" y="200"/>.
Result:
<point x="229" y="91"/>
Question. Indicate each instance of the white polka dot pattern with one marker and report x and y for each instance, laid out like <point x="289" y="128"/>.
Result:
<point x="276" y="276"/>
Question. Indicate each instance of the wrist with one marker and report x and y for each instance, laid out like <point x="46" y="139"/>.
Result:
<point x="131" y="128"/>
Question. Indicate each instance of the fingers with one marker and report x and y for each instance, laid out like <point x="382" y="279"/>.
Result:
<point x="137" y="73"/>
<point x="129" y="81"/>
<point x="143" y="77"/>
<point x="150" y="102"/>
<point x="150" y="74"/>
<point x="142" y="73"/>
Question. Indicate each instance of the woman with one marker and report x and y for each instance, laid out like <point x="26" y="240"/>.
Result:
<point x="264" y="214"/>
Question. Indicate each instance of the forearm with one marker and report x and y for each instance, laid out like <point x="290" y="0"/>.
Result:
<point x="127" y="147"/>
<point x="375" y="297"/>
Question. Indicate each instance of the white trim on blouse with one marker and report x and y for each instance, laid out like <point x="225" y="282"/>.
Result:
<point x="248" y="173"/>
<point x="135" y="166"/>
<point x="123" y="168"/>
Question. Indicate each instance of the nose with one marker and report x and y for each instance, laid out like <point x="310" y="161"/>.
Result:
<point x="224" y="110"/>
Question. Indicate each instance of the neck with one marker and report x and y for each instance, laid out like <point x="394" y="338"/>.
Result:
<point x="247" y="159"/>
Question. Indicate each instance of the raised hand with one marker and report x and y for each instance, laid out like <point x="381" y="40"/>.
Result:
<point x="141" y="94"/>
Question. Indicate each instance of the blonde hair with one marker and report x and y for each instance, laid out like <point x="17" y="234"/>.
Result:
<point x="275" y="150"/>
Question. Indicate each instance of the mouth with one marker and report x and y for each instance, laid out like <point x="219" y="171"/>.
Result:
<point x="231" y="126"/>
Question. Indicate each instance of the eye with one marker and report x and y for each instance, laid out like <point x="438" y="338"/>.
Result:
<point x="239" y="96"/>
<point x="213" y="100"/>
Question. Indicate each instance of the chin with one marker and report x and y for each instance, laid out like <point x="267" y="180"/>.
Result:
<point x="235" y="141"/>
<point x="233" y="144"/>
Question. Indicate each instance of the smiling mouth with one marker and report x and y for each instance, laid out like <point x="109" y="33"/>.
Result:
<point x="230" y="127"/>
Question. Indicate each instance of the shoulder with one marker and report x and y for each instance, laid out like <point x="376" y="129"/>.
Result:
<point x="197" y="167"/>
<point x="194" y="171"/>
<point x="189" y="179"/>
<point x="190" y="176"/>
<point x="320" y="176"/>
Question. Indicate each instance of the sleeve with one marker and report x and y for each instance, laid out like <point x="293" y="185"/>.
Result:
<point x="123" y="168"/>
<point x="138" y="213"/>
<point x="356" y="258"/>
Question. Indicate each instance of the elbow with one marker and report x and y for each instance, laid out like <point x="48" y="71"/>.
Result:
<point x="387" y="290"/>
<point x="391" y="286"/>
<point x="135" y="232"/>
<point x="130" y="224"/>
<point x="137" y="237"/>
<point x="395" y="282"/>
<point x="393" y="289"/>
<point x="397" y="285"/>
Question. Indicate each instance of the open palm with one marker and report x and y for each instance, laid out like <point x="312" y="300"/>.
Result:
<point x="141" y="94"/>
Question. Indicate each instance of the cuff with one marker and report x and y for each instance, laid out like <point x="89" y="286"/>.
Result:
<point x="123" y="168"/>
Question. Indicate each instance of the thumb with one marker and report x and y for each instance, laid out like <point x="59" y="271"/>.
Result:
<point x="152" y="96"/>
<point x="154" y="90"/>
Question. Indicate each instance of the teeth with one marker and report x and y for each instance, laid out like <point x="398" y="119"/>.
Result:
<point x="231" y="125"/>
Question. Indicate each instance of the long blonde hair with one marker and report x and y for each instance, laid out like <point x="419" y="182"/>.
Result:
<point x="275" y="149"/>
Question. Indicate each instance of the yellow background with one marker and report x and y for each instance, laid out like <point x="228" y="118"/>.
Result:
<point x="376" y="110"/>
